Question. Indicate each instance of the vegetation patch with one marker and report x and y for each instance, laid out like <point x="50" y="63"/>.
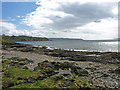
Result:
<point x="22" y="73"/>
<point x="81" y="82"/>
<point x="58" y="82"/>
<point x="46" y="83"/>
<point x="23" y="38"/>
<point x="15" y="62"/>
<point x="8" y="82"/>
<point x="47" y="74"/>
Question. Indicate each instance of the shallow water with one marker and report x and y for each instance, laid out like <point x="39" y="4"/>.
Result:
<point x="79" y="45"/>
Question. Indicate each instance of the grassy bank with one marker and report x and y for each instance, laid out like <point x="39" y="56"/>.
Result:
<point x="22" y="38"/>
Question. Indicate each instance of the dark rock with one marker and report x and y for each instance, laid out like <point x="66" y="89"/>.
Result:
<point x="7" y="84"/>
<point x="71" y="80"/>
<point x="80" y="72"/>
<point x="31" y="80"/>
<point x="40" y="78"/>
<point x="46" y="61"/>
<point x="65" y="65"/>
<point x="56" y="78"/>
<point x="19" y="78"/>
<point x="66" y="75"/>
<point x="105" y="75"/>
<point x="117" y="71"/>
<point x="53" y="63"/>
<point x="25" y="67"/>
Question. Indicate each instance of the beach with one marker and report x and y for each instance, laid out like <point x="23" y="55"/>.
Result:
<point x="101" y="67"/>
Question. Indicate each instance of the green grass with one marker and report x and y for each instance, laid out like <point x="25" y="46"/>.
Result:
<point x="6" y="42"/>
<point x="25" y="85"/>
<point x="82" y="82"/>
<point x="22" y="77"/>
<point x="50" y="82"/>
<point x="15" y="62"/>
<point x="7" y="81"/>
<point x="46" y="83"/>
<point x="53" y="83"/>
<point x="22" y="73"/>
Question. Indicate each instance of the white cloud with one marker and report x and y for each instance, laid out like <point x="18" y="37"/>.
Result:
<point x="63" y="14"/>
<point x="8" y="19"/>
<point x="105" y="29"/>
<point x="10" y="29"/>
<point x="115" y="10"/>
<point x="75" y="18"/>
<point x="11" y="19"/>
<point x="18" y="16"/>
<point x="3" y="20"/>
<point x="87" y="19"/>
<point x="19" y="0"/>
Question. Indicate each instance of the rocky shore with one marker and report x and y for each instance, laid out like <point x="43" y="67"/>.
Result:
<point x="25" y="66"/>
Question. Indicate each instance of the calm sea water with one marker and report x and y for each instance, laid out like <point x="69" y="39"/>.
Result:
<point x="79" y="45"/>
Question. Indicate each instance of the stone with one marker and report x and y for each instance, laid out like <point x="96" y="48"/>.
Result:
<point x="80" y="72"/>
<point x="31" y="80"/>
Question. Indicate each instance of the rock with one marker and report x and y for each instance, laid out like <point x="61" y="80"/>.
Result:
<point x="80" y="72"/>
<point x="31" y="80"/>
<point x="46" y="61"/>
<point x="66" y="75"/>
<point x="117" y="71"/>
<point x="40" y="78"/>
<point x="56" y="78"/>
<point x="7" y="84"/>
<point x="53" y="63"/>
<point x="65" y="65"/>
<point x="105" y="75"/>
<point x="25" y="67"/>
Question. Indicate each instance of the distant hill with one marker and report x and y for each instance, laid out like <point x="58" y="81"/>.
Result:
<point x="23" y="38"/>
<point x="117" y="39"/>
<point x="64" y="39"/>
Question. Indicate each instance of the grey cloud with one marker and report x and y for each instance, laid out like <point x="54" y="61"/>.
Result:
<point x="90" y="32"/>
<point x="82" y="14"/>
<point x="5" y="30"/>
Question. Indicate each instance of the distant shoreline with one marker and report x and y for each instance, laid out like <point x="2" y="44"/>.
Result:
<point x="52" y="48"/>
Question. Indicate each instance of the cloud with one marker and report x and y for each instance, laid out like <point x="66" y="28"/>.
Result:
<point x="106" y="29"/>
<point x="64" y="14"/>
<point x="11" y="29"/>
<point x="8" y="19"/>
<point x="11" y="19"/>
<point x="3" y="20"/>
<point x="86" y="19"/>
<point x="19" y="0"/>
<point x="96" y="19"/>
<point x="18" y="16"/>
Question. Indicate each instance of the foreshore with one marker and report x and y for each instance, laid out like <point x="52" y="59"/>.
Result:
<point x="101" y="68"/>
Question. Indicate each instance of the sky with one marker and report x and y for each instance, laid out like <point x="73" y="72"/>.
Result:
<point x="85" y="19"/>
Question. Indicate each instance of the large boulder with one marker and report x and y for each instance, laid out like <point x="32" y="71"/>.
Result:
<point x="79" y="71"/>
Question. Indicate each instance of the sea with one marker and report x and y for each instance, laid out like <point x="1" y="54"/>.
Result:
<point x="78" y="44"/>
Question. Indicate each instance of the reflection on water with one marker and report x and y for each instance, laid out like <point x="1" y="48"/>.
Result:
<point x="110" y="43"/>
<point x="77" y="45"/>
